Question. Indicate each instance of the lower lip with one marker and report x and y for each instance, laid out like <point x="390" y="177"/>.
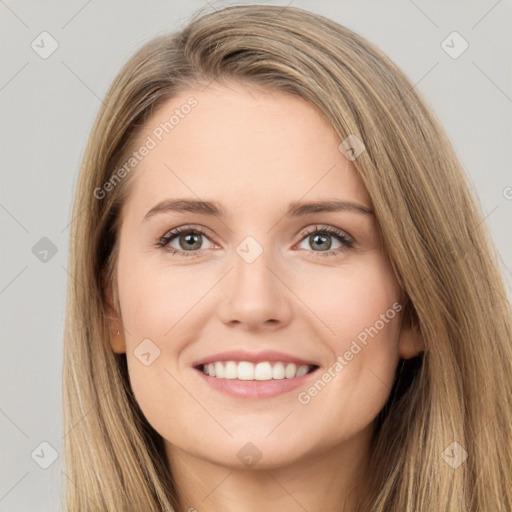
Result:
<point x="255" y="389"/>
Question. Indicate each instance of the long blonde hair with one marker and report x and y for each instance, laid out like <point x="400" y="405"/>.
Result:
<point x="458" y="391"/>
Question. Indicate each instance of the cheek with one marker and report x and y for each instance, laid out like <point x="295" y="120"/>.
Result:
<point x="155" y="297"/>
<point x="160" y="308"/>
<point x="350" y="301"/>
<point x="351" y="391"/>
<point x="361" y="309"/>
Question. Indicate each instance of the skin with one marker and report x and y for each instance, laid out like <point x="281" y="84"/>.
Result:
<point x="254" y="151"/>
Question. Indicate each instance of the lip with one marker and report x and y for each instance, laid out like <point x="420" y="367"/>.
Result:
<point x="254" y="357"/>
<point x="254" y="389"/>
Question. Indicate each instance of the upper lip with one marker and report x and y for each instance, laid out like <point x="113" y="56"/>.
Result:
<point x="253" y="357"/>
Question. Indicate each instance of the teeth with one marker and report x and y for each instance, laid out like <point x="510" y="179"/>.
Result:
<point x="263" y="371"/>
<point x="231" y="370"/>
<point x="290" y="371"/>
<point x="278" y="371"/>
<point x="302" y="370"/>
<point x="245" y="370"/>
<point x="219" y="370"/>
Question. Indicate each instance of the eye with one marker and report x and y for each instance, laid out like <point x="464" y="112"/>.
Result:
<point x="189" y="240"/>
<point x="320" y="237"/>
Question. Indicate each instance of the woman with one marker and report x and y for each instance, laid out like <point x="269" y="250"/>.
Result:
<point x="216" y="357"/>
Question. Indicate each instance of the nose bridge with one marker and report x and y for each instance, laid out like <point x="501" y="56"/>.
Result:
<point x="254" y="295"/>
<point x="252" y="262"/>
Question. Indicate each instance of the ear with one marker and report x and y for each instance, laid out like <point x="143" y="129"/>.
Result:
<point x="411" y="341"/>
<point x="117" y="340"/>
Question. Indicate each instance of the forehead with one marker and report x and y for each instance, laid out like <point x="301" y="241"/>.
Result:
<point x="244" y="147"/>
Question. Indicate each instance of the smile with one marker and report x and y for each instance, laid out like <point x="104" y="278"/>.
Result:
<point x="262" y="371"/>
<point x="254" y="383"/>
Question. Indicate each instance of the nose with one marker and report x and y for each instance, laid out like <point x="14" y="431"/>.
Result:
<point x="256" y="296"/>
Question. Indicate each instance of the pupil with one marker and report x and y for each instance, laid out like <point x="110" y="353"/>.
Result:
<point x="326" y="242"/>
<point x="189" y="240"/>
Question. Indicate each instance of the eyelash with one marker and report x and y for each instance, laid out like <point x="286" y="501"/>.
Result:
<point x="341" y="236"/>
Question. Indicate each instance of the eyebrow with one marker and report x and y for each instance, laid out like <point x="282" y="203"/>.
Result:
<point x="295" y="209"/>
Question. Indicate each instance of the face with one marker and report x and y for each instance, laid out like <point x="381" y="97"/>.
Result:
<point x="265" y="282"/>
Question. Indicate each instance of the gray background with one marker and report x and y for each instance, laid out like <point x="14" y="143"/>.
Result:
<point x="47" y="107"/>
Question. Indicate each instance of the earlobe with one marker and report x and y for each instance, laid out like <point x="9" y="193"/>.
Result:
<point x="411" y="341"/>
<point x="117" y="341"/>
<point x="411" y="345"/>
